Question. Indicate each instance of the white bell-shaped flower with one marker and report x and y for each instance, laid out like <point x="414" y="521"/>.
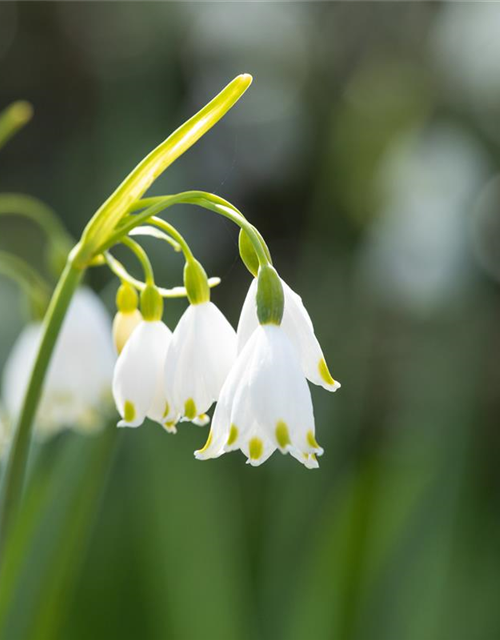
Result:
<point x="298" y="326"/>
<point x="138" y="377"/>
<point x="199" y="358"/>
<point x="77" y="387"/>
<point x="265" y="404"/>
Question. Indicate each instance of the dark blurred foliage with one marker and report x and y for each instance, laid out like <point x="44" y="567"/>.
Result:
<point x="366" y="152"/>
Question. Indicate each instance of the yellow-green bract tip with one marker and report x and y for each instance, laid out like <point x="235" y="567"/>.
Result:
<point x="21" y="111"/>
<point x="246" y="77"/>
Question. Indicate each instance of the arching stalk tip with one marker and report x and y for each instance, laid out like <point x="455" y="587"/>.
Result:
<point x="22" y="111"/>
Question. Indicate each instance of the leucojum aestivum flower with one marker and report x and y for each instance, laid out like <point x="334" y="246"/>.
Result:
<point x="257" y="376"/>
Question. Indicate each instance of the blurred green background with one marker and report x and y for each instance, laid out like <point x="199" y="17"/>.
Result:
<point x="367" y="154"/>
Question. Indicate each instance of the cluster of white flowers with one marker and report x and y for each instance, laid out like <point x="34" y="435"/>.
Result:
<point x="77" y="387"/>
<point x="256" y="375"/>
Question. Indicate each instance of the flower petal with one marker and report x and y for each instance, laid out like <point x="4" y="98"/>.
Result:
<point x="265" y="404"/>
<point x="199" y="358"/>
<point x="277" y="394"/>
<point x="160" y="410"/>
<point x="298" y="326"/>
<point x="202" y="420"/>
<point x="248" y="321"/>
<point x="78" y="382"/>
<point x="220" y="431"/>
<point x="138" y="371"/>
<point x="123" y="327"/>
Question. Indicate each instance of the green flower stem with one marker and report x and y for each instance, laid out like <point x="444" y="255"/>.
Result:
<point x="119" y="270"/>
<point x="224" y="208"/>
<point x="105" y="220"/>
<point x="131" y="222"/>
<point x="29" y="280"/>
<point x="154" y="232"/>
<point x="13" y="118"/>
<point x="195" y="277"/>
<point x="172" y="231"/>
<point x="142" y="256"/>
<point x="155" y="205"/>
<point x="13" y="479"/>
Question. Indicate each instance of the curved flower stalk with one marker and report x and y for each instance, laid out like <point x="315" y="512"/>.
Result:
<point x="298" y="326"/>
<point x="78" y="383"/>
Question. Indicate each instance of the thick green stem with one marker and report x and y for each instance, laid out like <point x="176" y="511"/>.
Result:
<point x="13" y="479"/>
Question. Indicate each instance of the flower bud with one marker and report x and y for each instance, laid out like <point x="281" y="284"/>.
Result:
<point x="127" y="299"/>
<point x="127" y="317"/>
<point x="123" y="326"/>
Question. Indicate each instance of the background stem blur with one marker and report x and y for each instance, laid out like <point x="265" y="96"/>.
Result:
<point x="13" y="480"/>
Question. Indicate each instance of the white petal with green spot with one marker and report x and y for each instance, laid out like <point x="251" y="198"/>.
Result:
<point x="298" y="326"/>
<point x="200" y="356"/>
<point x="138" y="376"/>
<point x="265" y="404"/>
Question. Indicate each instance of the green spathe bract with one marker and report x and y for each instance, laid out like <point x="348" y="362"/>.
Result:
<point x="141" y="178"/>
<point x="270" y="297"/>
